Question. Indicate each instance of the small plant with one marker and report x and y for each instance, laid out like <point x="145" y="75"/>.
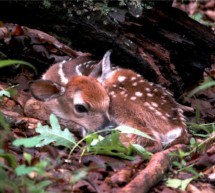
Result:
<point x="5" y="63"/>
<point x="95" y="144"/>
<point x="48" y="135"/>
<point x="182" y="166"/>
<point x="7" y="92"/>
<point x="21" y="174"/>
<point x="209" y="82"/>
<point x="195" y="148"/>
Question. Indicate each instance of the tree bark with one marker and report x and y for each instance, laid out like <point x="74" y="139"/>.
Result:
<point x="163" y="43"/>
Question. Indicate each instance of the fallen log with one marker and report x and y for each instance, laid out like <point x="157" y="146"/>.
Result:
<point x="162" y="43"/>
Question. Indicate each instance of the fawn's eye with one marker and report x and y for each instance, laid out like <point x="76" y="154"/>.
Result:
<point x="80" y="108"/>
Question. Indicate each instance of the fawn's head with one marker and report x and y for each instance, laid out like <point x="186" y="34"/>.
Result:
<point x="82" y="100"/>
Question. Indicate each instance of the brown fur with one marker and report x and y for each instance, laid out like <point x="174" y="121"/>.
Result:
<point x="122" y="85"/>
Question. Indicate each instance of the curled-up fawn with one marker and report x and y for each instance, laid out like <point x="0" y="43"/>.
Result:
<point x="93" y="95"/>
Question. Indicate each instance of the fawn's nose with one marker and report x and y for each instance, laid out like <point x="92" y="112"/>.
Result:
<point x="107" y="128"/>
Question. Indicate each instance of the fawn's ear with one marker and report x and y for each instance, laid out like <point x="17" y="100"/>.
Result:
<point x="103" y="67"/>
<point x="45" y="90"/>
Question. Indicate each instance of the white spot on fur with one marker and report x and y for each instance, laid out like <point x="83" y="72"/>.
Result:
<point x="133" y="78"/>
<point x="182" y="119"/>
<point x="183" y="123"/>
<point x="112" y="93"/>
<point x="158" y="113"/>
<point x="133" y="98"/>
<point x="146" y="104"/>
<point x="154" y="104"/>
<point x="151" y="108"/>
<point x="61" y="73"/>
<point x="138" y="94"/>
<point x="167" y="115"/>
<point x="149" y="94"/>
<point x="121" y="78"/>
<point x="134" y="84"/>
<point x="114" y="85"/>
<point x="148" y="89"/>
<point x="164" y="118"/>
<point x="122" y="92"/>
<point x="141" y="81"/>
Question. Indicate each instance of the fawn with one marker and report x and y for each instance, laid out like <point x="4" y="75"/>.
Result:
<point x="81" y="101"/>
<point x="70" y="90"/>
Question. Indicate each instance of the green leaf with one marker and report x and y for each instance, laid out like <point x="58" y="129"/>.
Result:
<point x="4" y="63"/>
<point x="141" y="151"/>
<point x="12" y="91"/>
<point x="27" y="142"/>
<point x="177" y="183"/>
<point x="173" y="183"/>
<point x="177" y="164"/>
<point x="36" y="187"/>
<point x="23" y="170"/>
<point x="48" y="135"/>
<point x="39" y="168"/>
<point x="55" y="134"/>
<point x="6" y="183"/>
<point x="190" y="169"/>
<point x="197" y="16"/>
<point x="28" y="157"/>
<point x="111" y="145"/>
<point x="3" y="176"/>
<point x="208" y="83"/>
<point x="3" y="122"/>
<point x="43" y="184"/>
<point x="185" y="183"/>
<point x="130" y="130"/>
<point x="4" y="93"/>
<point x="10" y="158"/>
<point x="93" y="139"/>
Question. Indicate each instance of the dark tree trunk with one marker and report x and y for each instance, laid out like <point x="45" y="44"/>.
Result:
<point x="163" y="43"/>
